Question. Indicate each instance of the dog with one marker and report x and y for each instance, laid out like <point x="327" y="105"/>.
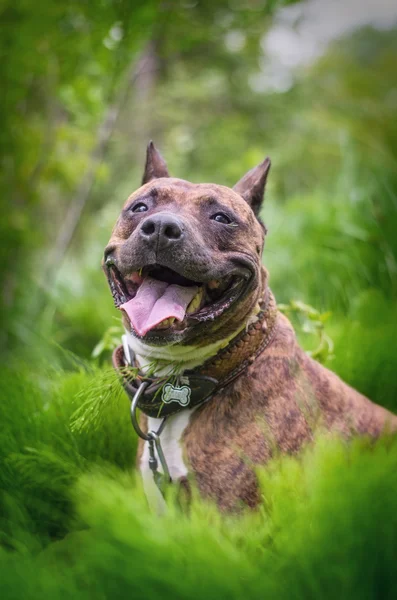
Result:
<point x="217" y="360"/>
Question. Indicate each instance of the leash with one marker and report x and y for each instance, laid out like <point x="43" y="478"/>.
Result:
<point x="157" y="396"/>
<point x="153" y="439"/>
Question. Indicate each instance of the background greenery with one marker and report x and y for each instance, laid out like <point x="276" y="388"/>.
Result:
<point x="84" y="86"/>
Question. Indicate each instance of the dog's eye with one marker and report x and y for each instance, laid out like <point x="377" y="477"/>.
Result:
<point x="221" y="218"/>
<point x="140" y="207"/>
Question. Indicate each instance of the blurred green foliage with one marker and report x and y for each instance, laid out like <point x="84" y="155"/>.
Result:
<point x="84" y="86"/>
<point x="326" y="526"/>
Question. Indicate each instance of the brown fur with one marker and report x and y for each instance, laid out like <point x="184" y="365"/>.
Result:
<point x="284" y="397"/>
<point x="276" y="406"/>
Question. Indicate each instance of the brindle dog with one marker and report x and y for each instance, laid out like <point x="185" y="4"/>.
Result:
<point x="184" y="263"/>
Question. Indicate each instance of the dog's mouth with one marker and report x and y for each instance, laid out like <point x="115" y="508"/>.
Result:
<point x="159" y="299"/>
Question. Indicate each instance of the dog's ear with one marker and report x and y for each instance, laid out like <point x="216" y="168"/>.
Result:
<point x="252" y="186"/>
<point x="155" y="164"/>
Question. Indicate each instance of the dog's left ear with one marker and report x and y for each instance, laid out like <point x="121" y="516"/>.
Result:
<point x="252" y="186"/>
<point x="155" y="164"/>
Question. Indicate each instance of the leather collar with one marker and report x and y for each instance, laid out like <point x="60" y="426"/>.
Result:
<point x="167" y="395"/>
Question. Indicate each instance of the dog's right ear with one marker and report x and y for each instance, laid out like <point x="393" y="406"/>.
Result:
<point x="252" y="186"/>
<point x="155" y="164"/>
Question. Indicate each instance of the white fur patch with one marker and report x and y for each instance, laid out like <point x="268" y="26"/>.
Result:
<point x="172" y="358"/>
<point x="170" y="438"/>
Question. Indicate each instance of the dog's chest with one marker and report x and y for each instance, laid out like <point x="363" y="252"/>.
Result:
<point x="211" y="445"/>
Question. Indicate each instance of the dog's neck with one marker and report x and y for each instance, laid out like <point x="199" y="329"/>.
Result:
<point x="174" y="359"/>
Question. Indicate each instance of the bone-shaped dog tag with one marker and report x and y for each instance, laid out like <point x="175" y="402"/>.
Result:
<point x="172" y="393"/>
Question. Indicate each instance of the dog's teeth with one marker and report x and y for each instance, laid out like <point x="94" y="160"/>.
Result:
<point x="163" y="324"/>
<point x="213" y="284"/>
<point x="166" y="323"/>
<point x="195" y="303"/>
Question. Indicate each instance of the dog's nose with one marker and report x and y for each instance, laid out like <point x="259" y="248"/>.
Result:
<point x="162" y="230"/>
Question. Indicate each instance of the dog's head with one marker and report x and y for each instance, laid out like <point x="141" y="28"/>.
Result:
<point x="184" y="259"/>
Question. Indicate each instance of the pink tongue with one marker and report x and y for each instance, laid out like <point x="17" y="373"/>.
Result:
<point x="155" y="301"/>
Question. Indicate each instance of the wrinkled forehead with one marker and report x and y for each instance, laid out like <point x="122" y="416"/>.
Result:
<point x="187" y="194"/>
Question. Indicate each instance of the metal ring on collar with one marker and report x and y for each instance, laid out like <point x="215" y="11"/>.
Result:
<point x="134" y="404"/>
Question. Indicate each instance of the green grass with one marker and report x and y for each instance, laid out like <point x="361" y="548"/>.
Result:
<point x="75" y="523"/>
